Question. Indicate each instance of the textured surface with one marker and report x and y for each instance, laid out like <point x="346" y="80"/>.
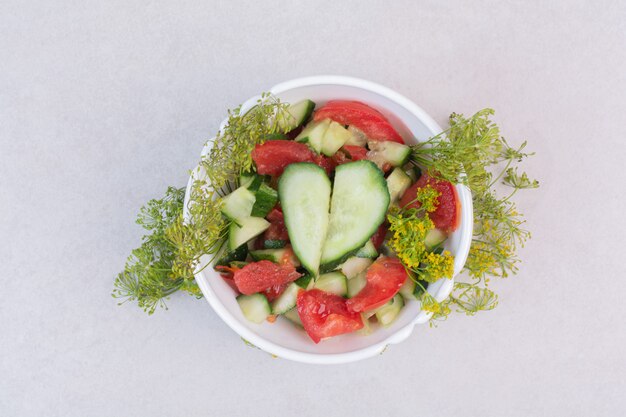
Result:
<point x="104" y="105"/>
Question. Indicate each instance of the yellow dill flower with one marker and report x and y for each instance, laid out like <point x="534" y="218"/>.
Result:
<point x="431" y="305"/>
<point x="435" y="266"/>
<point x="409" y="232"/>
<point x="428" y="198"/>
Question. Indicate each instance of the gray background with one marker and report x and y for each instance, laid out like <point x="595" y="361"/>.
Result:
<point x="103" y="105"/>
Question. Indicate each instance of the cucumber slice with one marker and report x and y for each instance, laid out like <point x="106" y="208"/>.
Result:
<point x="359" y="205"/>
<point x="248" y="228"/>
<point x="367" y="251"/>
<point x="304" y="191"/>
<point x="238" y="204"/>
<point x="313" y="134"/>
<point x="275" y="136"/>
<point x="305" y="282"/>
<point x="367" y="329"/>
<point x="293" y="316"/>
<point x="397" y="182"/>
<point x="297" y="115"/>
<point x="333" y="282"/>
<point x="274" y="243"/>
<point x="334" y="138"/>
<point x="387" y="152"/>
<point x="254" y="307"/>
<point x="287" y="300"/>
<point x="274" y="255"/>
<point x="390" y="311"/>
<point x="354" y="266"/>
<point x="434" y="238"/>
<point x="357" y="137"/>
<point x="356" y="284"/>
<point x="419" y="288"/>
<point x="237" y="255"/>
<point x="407" y="289"/>
<point x="266" y="199"/>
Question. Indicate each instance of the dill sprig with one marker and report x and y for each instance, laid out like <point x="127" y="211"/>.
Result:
<point x="170" y="253"/>
<point x="472" y="152"/>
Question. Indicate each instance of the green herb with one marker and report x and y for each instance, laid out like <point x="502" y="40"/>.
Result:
<point x="169" y="255"/>
<point x="471" y="152"/>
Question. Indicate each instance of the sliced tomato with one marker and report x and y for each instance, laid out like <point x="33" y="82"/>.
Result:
<point x="328" y="164"/>
<point x="325" y="315"/>
<point x="273" y="292"/>
<point x="384" y="279"/>
<point x="446" y="215"/>
<point x="379" y="236"/>
<point x="273" y="156"/>
<point x="277" y="229"/>
<point x="354" y="113"/>
<point x="355" y="153"/>
<point x="262" y="275"/>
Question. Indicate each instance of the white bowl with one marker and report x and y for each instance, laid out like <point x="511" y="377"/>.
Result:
<point x="282" y="338"/>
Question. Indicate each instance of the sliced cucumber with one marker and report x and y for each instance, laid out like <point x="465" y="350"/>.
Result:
<point x="334" y="138"/>
<point x="359" y="205"/>
<point x="354" y="266"/>
<point x="293" y="316"/>
<point x="306" y="281"/>
<point x="297" y="115"/>
<point x="390" y="311"/>
<point x="238" y="204"/>
<point x="251" y="181"/>
<point x="304" y="191"/>
<point x="333" y="282"/>
<point x="397" y="182"/>
<point x="419" y="288"/>
<point x="313" y="134"/>
<point x="266" y="199"/>
<point x="287" y="300"/>
<point x="254" y="307"/>
<point x="239" y="254"/>
<point x="274" y="243"/>
<point x="274" y="255"/>
<point x="434" y="238"/>
<point x="275" y="136"/>
<point x="387" y="152"/>
<point x="366" y="330"/>
<point x="407" y="289"/>
<point x="367" y="251"/>
<point x="248" y="228"/>
<point x="356" y="284"/>
<point x="357" y="137"/>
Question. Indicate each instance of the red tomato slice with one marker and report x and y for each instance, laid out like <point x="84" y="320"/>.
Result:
<point x="272" y="293"/>
<point x="446" y="215"/>
<point x="325" y="315"/>
<point x="328" y="164"/>
<point x="384" y="279"/>
<point x="273" y="156"/>
<point x="277" y="229"/>
<point x="261" y="275"/>
<point x="355" y="153"/>
<point x="379" y="236"/>
<point x="363" y="117"/>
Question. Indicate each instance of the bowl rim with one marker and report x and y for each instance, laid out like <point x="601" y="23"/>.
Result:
<point x="402" y="333"/>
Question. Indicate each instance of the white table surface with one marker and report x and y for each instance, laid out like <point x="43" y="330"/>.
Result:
<point x="104" y="105"/>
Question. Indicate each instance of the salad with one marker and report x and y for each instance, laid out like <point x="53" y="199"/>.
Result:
<point x="334" y="226"/>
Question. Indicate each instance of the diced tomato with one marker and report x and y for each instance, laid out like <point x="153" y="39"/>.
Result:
<point x="325" y="315"/>
<point x="363" y="117"/>
<point x="277" y="229"/>
<point x="273" y="292"/>
<point x="261" y="275"/>
<point x="273" y="156"/>
<point x="446" y="215"/>
<point x="384" y="279"/>
<point x="379" y="236"/>
<point x="355" y="153"/>
<point x="328" y="164"/>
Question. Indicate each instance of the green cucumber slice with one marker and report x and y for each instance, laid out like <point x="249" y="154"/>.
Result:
<point x="238" y="204"/>
<point x="356" y="284"/>
<point x="358" y="206"/>
<point x="266" y="198"/>
<point x="293" y="316"/>
<point x="254" y="307"/>
<point x="434" y="238"/>
<point x="248" y="228"/>
<point x="334" y="138"/>
<point x="357" y="137"/>
<point x="274" y="255"/>
<point x="296" y="115"/>
<point x="313" y="134"/>
<point x="354" y="266"/>
<point x="408" y="289"/>
<point x="274" y="243"/>
<point x="332" y="282"/>
<point x="287" y="300"/>
<point x="397" y="182"/>
<point x="387" y="152"/>
<point x="388" y="313"/>
<point x="237" y="255"/>
<point x="304" y="191"/>
<point x="367" y="251"/>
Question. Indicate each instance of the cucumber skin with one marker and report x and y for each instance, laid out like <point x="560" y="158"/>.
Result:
<point x="237" y="255"/>
<point x="266" y="199"/>
<point x="274" y="244"/>
<point x="329" y="266"/>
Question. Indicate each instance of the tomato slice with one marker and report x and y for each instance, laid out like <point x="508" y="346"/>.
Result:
<point x="446" y="215"/>
<point x="355" y="153"/>
<point x="384" y="279"/>
<point x="277" y="229"/>
<point x="328" y="164"/>
<point x="325" y="315"/>
<point x="261" y="275"/>
<point x="354" y="113"/>
<point x="273" y="156"/>
<point x="273" y="292"/>
<point x="379" y="236"/>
